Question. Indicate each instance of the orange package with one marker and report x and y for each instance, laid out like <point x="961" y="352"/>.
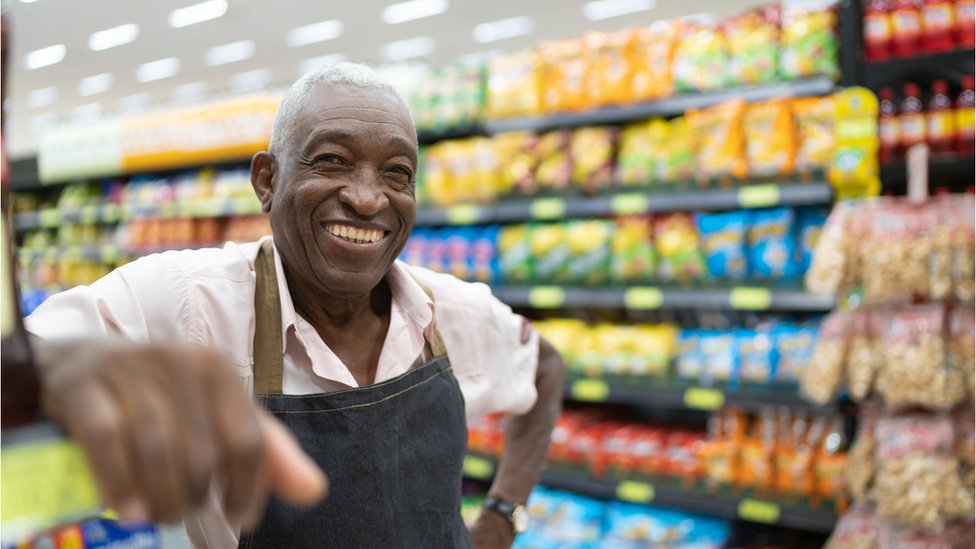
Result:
<point x="611" y="67"/>
<point x="756" y="468"/>
<point x="564" y="72"/>
<point x="814" y="121"/>
<point x="721" y="143"/>
<point x="831" y="462"/>
<point x="720" y="452"/>
<point x="514" y="85"/>
<point x="652" y="53"/>
<point x="770" y="138"/>
<point x="797" y="445"/>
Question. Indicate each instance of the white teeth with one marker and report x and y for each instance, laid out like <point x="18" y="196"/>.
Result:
<point x="359" y="236"/>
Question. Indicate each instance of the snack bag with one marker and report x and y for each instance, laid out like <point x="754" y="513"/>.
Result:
<point x="770" y="138"/>
<point x="831" y="462"/>
<point x="653" y="347"/>
<point x="564" y="70"/>
<point x="964" y="249"/>
<point x="484" y="259"/>
<point x="554" y="160"/>
<point x="723" y="241"/>
<point x="721" y="361"/>
<point x="814" y="121"/>
<point x="564" y="334"/>
<point x="753" y="40"/>
<point x="690" y="361"/>
<point x="856" y="529"/>
<point x="651" y="60"/>
<point x="514" y="85"/>
<point x="865" y="354"/>
<point x="593" y="151"/>
<point x="772" y="244"/>
<point x="721" y="453"/>
<point x="756" y="469"/>
<point x="721" y="144"/>
<point x="561" y="519"/>
<point x="701" y="59"/>
<point x="589" y="247"/>
<point x="484" y="167"/>
<point x="810" y="224"/>
<point x="821" y="379"/>
<point x="438" y="185"/>
<point x="551" y="252"/>
<point x="515" y="253"/>
<point x="516" y="154"/>
<point x="962" y="344"/>
<point x="632" y="250"/>
<point x="674" y="157"/>
<point x="757" y="356"/>
<point x="796" y="452"/>
<point x="810" y="43"/>
<point x="635" y="162"/>
<point x="794" y="348"/>
<point x="861" y="463"/>
<point x="676" y="241"/>
<point x="611" y="67"/>
<point x="630" y="526"/>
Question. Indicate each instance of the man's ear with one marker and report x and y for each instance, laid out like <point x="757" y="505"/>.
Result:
<point x="263" y="178"/>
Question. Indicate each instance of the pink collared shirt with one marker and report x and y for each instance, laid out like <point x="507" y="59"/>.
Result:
<point x="206" y="298"/>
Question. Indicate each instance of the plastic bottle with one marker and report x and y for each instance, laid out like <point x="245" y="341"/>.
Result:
<point x="939" y="25"/>
<point x="911" y="120"/>
<point x="877" y="30"/>
<point x="965" y="18"/>
<point x="939" y="115"/>
<point x="964" y="114"/>
<point x="888" y="134"/>
<point x="906" y="26"/>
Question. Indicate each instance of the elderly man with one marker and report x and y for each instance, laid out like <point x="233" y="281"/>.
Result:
<point x="373" y="365"/>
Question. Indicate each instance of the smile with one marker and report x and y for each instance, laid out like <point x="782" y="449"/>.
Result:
<point x="354" y="234"/>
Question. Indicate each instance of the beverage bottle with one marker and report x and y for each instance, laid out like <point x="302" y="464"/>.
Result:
<point x="964" y="114"/>
<point x="939" y="25"/>
<point x="965" y="17"/>
<point x="906" y="25"/>
<point x="877" y="30"/>
<point x="941" y="124"/>
<point x="888" y="134"/>
<point x="911" y="120"/>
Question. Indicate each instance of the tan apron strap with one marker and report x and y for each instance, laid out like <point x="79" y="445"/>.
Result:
<point x="268" y="359"/>
<point x="437" y="347"/>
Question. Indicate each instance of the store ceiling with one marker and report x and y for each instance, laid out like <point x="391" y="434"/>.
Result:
<point x="68" y="93"/>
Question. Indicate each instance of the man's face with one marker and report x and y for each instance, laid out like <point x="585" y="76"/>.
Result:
<point x="343" y="203"/>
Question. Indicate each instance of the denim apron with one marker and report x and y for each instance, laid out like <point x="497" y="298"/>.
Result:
<point x="393" y="451"/>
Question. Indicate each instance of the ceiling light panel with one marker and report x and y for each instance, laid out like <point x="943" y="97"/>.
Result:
<point x="190" y="93"/>
<point x="414" y="9"/>
<point x="229" y="53"/>
<point x="407" y="49"/>
<point x="43" y="97"/>
<point x="95" y="84"/>
<point x="157" y="70"/>
<point x="197" y="13"/>
<point x="598" y="10"/>
<point x="115" y="36"/>
<point x="504" y="29"/>
<point x="316" y="32"/>
<point x="309" y="65"/>
<point x="44" y="57"/>
<point x="251" y="80"/>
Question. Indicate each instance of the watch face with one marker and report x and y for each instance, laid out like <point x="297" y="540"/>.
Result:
<point x="520" y="519"/>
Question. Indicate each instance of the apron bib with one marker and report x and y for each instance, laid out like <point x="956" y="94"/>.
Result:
<point x="393" y="451"/>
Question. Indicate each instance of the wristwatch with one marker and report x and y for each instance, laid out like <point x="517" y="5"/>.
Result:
<point x="515" y="514"/>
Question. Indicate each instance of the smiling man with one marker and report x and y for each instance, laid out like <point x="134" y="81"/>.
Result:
<point x="373" y="365"/>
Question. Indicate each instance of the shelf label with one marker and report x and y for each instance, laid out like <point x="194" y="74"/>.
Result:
<point x="548" y="208"/>
<point x="702" y="398"/>
<point x="49" y="217"/>
<point x="635" y="492"/>
<point x="546" y="297"/>
<point x="643" y="298"/>
<point x="88" y="214"/>
<point x="478" y="468"/>
<point x="759" y="196"/>
<point x="755" y="510"/>
<point x="589" y="390"/>
<point x="629" y="204"/>
<point x="462" y="214"/>
<point x="750" y="299"/>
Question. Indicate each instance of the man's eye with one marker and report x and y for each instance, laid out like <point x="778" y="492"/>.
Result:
<point x="402" y="172"/>
<point x="329" y="159"/>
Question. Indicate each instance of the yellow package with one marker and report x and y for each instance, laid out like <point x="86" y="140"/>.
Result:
<point x="564" y="72"/>
<point x="632" y="250"/>
<point x="814" y="120"/>
<point x="551" y="252"/>
<point x="438" y="186"/>
<point x="652" y="349"/>
<point x="515" y="256"/>
<point x="652" y="54"/>
<point x="589" y="245"/>
<point x="514" y="85"/>
<point x="854" y="166"/>
<point x="753" y="39"/>
<point x="721" y="144"/>
<point x="611" y="70"/>
<point x="770" y="138"/>
<point x="674" y="149"/>
<point x="613" y="342"/>
<point x="701" y="59"/>
<point x="516" y="152"/>
<point x="484" y="167"/>
<point x="555" y="161"/>
<point x="635" y="161"/>
<point x="590" y="360"/>
<point x="593" y="151"/>
<point x="564" y="334"/>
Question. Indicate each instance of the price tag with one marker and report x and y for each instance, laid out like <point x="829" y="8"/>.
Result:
<point x="750" y="299"/>
<point x="701" y="398"/>
<point x="759" y="196"/>
<point x="548" y="208"/>
<point x="755" y="510"/>
<point x="49" y="217"/>
<point x="547" y="297"/>
<point x="635" y="492"/>
<point x="110" y="254"/>
<point x="589" y="390"/>
<point x="643" y="298"/>
<point x="629" y="204"/>
<point x="478" y="468"/>
<point x="462" y="214"/>
<point x="88" y="214"/>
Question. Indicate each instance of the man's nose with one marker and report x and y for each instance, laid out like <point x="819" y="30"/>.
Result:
<point x="365" y="195"/>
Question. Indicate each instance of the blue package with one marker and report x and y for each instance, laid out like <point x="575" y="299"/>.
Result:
<point x="757" y="356"/>
<point x="689" y="361"/>
<point x="457" y="245"/>
<point x="415" y="251"/>
<point x="721" y="364"/>
<point x="723" y="241"/>
<point x="101" y="533"/>
<point x="484" y="256"/>
<point x="809" y="226"/>
<point x="794" y="349"/>
<point x="562" y="519"/>
<point x="630" y="526"/>
<point x="772" y="244"/>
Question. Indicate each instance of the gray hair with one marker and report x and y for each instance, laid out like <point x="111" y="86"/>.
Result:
<point x="352" y="74"/>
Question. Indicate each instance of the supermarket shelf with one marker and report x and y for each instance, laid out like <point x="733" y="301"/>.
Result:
<point x="108" y="253"/>
<point x="743" y="298"/>
<point x="955" y="173"/>
<point x="676" y="395"/>
<point x="670" y="106"/>
<point x="920" y="68"/>
<point x="429" y="137"/>
<point x="762" y="195"/>
<point x="113" y="213"/>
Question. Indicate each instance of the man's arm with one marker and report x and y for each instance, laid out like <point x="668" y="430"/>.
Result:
<point x="527" y="440"/>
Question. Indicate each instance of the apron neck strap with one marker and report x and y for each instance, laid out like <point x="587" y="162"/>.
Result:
<point x="268" y="356"/>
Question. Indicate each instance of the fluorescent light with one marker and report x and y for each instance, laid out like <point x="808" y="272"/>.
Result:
<point x="115" y="36"/>
<point x="251" y="80"/>
<point x="504" y="29"/>
<point x="414" y="9"/>
<point x="131" y="104"/>
<point x="157" y="70"/>
<point x="86" y="113"/>
<point x="189" y="93"/>
<point x="229" y="53"/>
<point x="605" y="9"/>
<point x="27" y="1"/>
<point x="310" y="65"/>
<point x="407" y="49"/>
<point x="96" y="84"/>
<point x="197" y="13"/>
<point x="44" y="57"/>
<point x="42" y="97"/>
<point x="316" y="32"/>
